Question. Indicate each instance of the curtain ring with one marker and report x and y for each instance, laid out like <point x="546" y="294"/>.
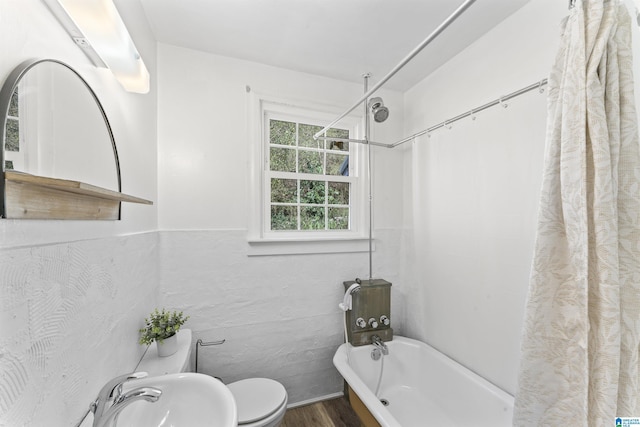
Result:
<point x="473" y="115"/>
<point x="504" y="104"/>
<point x="448" y="125"/>
<point x="540" y="88"/>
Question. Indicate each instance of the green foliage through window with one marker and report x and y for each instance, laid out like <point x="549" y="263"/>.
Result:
<point x="308" y="184"/>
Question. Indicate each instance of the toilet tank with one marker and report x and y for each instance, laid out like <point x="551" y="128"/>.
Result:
<point x="180" y="361"/>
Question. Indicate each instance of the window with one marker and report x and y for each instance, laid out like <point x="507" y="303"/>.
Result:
<point x="12" y="133"/>
<point x="309" y="183"/>
<point x="309" y="195"/>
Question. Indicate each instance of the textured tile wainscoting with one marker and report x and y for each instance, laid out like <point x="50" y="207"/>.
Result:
<point x="70" y="314"/>
<point x="279" y="314"/>
<point x="69" y="320"/>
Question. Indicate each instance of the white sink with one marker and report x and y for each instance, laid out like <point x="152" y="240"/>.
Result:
<point x="187" y="400"/>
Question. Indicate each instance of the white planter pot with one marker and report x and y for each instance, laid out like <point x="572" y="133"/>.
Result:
<point x="168" y="346"/>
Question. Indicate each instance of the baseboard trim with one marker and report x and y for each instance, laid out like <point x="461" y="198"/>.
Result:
<point x="315" y="400"/>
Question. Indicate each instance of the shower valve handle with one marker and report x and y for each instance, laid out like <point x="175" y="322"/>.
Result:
<point x="361" y="323"/>
<point x="373" y="323"/>
<point x="384" y="320"/>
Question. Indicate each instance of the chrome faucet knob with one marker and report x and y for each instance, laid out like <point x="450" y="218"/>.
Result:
<point x="384" y="320"/>
<point x="360" y="322"/>
<point x="373" y="323"/>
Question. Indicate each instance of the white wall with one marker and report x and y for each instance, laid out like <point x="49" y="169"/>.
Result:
<point x="472" y="193"/>
<point x="74" y="293"/>
<point x="279" y="313"/>
<point x="204" y="141"/>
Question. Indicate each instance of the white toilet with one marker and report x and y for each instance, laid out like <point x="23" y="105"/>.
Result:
<point x="261" y="402"/>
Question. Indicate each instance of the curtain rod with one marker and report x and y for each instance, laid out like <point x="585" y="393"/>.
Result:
<point x="473" y="111"/>
<point x="464" y="6"/>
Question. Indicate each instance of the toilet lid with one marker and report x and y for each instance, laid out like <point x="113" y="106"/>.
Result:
<point x="257" y="398"/>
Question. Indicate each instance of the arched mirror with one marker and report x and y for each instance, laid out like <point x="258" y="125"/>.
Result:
<point x="56" y="135"/>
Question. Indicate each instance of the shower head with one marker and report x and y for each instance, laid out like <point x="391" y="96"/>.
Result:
<point x="346" y="304"/>
<point x="379" y="111"/>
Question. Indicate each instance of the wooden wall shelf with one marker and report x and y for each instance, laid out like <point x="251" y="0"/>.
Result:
<point x="38" y="197"/>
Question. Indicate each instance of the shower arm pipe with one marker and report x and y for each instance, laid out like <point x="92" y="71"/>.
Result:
<point x="463" y="7"/>
<point x="471" y="112"/>
<point x="357" y="141"/>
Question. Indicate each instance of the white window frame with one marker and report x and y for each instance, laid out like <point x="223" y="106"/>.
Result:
<point x="262" y="240"/>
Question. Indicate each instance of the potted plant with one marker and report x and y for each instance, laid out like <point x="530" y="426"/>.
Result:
<point x="161" y="328"/>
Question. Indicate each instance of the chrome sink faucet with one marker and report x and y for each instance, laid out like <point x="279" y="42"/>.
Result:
<point x="112" y="392"/>
<point x="378" y="343"/>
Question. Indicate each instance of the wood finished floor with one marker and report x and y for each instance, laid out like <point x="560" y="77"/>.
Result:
<point x="329" y="413"/>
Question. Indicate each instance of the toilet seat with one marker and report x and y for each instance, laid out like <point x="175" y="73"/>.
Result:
<point x="257" y="398"/>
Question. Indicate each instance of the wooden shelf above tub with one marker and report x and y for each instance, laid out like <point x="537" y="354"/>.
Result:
<point x="38" y="197"/>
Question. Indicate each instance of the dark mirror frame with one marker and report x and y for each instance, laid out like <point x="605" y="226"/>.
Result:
<point x="6" y="93"/>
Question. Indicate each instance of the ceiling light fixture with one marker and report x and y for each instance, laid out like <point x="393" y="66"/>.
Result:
<point x="97" y="28"/>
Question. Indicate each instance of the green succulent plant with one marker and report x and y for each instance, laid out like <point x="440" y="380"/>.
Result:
<point x="161" y="325"/>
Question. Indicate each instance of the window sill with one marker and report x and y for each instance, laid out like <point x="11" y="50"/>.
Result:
<point x="266" y="247"/>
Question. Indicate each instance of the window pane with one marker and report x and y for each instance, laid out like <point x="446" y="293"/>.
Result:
<point x="310" y="161"/>
<point x="283" y="133"/>
<point x="338" y="218"/>
<point x="305" y="136"/>
<point x="282" y="159"/>
<point x="338" y="133"/>
<point x="284" y="190"/>
<point x="284" y="218"/>
<point x="13" y="105"/>
<point x="12" y="141"/>
<point x="306" y="191"/>
<point x="338" y="193"/>
<point x="311" y="218"/>
<point x="337" y="164"/>
<point x="312" y="192"/>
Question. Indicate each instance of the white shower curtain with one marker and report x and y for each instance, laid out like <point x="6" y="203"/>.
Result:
<point x="579" y="363"/>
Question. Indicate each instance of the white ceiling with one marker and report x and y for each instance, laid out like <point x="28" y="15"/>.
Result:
<point x="341" y="39"/>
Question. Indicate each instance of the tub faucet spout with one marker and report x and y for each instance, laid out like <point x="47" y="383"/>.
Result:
<point x="378" y="343"/>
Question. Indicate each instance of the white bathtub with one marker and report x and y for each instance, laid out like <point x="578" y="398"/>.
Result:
<point x="423" y="387"/>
